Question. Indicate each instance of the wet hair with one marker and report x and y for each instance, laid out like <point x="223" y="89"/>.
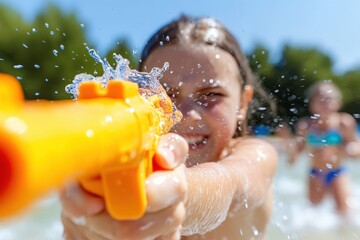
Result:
<point x="208" y="31"/>
<point x="199" y="30"/>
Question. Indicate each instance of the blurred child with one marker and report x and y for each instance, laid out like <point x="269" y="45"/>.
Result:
<point x="225" y="188"/>
<point x="330" y="136"/>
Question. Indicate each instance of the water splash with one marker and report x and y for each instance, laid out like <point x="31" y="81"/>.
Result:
<point x="148" y="83"/>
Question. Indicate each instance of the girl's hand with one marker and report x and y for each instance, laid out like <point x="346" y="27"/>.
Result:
<point x="84" y="216"/>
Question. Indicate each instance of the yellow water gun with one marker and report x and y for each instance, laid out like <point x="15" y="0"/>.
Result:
<point x="106" y="139"/>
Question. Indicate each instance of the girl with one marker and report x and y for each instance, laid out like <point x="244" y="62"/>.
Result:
<point x="224" y="192"/>
<point x="330" y="136"/>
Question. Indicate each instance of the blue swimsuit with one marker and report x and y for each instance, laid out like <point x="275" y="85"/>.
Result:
<point x="322" y="139"/>
<point x="327" y="176"/>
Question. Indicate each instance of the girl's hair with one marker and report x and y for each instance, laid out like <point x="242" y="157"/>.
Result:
<point x="205" y="31"/>
<point x="202" y="30"/>
<point x="316" y="87"/>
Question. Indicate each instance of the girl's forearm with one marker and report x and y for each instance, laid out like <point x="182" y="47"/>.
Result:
<point x="210" y="194"/>
<point x="352" y="149"/>
<point x="242" y="179"/>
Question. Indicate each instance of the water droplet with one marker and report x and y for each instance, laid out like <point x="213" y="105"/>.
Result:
<point x="25" y="46"/>
<point x="46" y="25"/>
<point x="293" y="110"/>
<point x="51" y="32"/>
<point x="82" y="25"/>
<point x="329" y="166"/>
<point x="255" y="231"/>
<point x="36" y="66"/>
<point x="62" y="47"/>
<point x="161" y="43"/>
<point x="55" y="52"/>
<point x="34" y="30"/>
<point x="18" y="66"/>
<point x="167" y="38"/>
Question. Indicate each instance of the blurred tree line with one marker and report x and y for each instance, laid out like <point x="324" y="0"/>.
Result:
<point x="47" y="52"/>
<point x="287" y="80"/>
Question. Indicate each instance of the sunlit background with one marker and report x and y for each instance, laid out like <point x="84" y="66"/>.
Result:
<point x="289" y="44"/>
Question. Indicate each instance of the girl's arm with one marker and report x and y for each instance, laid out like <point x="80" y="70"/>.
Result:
<point x="293" y="144"/>
<point x="351" y="140"/>
<point x="245" y="175"/>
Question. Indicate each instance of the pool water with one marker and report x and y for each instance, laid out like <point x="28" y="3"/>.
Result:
<point x="293" y="217"/>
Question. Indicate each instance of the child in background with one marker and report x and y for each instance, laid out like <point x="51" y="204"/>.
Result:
<point x="224" y="192"/>
<point x="330" y="137"/>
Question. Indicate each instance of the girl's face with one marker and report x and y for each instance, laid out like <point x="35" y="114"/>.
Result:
<point x="326" y="100"/>
<point x="203" y="82"/>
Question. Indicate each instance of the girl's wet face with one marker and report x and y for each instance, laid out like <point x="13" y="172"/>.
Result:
<point x="203" y="82"/>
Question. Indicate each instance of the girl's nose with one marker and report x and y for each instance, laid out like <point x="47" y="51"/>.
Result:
<point x="193" y="114"/>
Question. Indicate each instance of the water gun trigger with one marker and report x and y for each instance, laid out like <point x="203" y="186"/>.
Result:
<point x="123" y="191"/>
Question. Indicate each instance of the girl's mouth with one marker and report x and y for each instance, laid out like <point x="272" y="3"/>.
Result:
<point x="196" y="142"/>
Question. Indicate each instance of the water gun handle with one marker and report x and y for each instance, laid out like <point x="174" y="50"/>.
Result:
<point x="124" y="191"/>
<point x="123" y="188"/>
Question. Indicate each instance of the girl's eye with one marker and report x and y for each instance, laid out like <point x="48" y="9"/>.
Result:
<point x="212" y="94"/>
<point x="208" y="98"/>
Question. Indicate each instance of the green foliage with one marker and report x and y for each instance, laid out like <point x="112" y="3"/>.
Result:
<point x="264" y="111"/>
<point x="349" y="85"/>
<point x="47" y="53"/>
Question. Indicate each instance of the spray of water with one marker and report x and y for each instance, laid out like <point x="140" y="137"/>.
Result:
<point x="148" y="83"/>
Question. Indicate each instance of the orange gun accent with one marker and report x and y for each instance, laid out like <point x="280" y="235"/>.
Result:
<point x="106" y="138"/>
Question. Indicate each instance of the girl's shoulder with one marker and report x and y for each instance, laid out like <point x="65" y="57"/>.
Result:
<point x="250" y="142"/>
<point x="347" y="121"/>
